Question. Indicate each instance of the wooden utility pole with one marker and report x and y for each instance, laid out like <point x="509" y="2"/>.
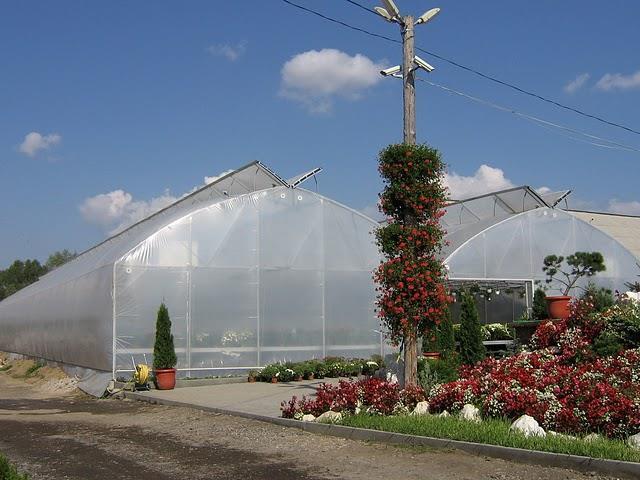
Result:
<point x="408" y="80"/>
<point x="409" y="101"/>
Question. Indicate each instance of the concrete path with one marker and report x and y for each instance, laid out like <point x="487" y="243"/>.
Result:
<point x="259" y="398"/>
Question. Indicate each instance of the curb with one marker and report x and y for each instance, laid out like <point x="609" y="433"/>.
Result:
<point x="533" y="457"/>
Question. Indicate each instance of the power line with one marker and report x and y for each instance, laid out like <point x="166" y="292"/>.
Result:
<point x="588" y="138"/>
<point x="461" y="66"/>
<point x="510" y="85"/>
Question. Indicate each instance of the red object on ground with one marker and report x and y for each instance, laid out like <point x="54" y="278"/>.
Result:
<point x="558" y="307"/>
<point x="165" y="378"/>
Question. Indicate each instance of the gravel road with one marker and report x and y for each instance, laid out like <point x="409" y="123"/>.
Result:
<point x="72" y="436"/>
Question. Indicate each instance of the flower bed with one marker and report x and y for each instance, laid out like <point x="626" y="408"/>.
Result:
<point x="331" y="367"/>
<point x="562" y="382"/>
<point x="370" y="395"/>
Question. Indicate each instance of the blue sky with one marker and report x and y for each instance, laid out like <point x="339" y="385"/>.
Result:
<point x="110" y="110"/>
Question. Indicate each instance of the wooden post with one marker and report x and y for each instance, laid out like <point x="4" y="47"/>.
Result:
<point x="409" y="100"/>
<point x="408" y="80"/>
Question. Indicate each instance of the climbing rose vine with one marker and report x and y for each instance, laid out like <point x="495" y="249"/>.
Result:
<point x="412" y="297"/>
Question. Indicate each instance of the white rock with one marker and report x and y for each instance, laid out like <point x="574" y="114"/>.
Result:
<point x="470" y="413"/>
<point x="528" y="426"/>
<point x="444" y="414"/>
<point x="422" y="408"/>
<point x="591" y="437"/>
<point x="329" y="417"/>
<point x="560" y="435"/>
<point x="634" y="441"/>
<point x="308" y="418"/>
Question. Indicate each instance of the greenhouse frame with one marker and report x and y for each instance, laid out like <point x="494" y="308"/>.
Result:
<point x="255" y="269"/>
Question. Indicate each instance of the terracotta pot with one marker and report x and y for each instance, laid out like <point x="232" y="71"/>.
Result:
<point x="433" y="355"/>
<point x="165" y="378"/>
<point x="251" y="379"/>
<point x="274" y="379"/>
<point x="558" y="306"/>
<point x="298" y="378"/>
<point x="310" y="376"/>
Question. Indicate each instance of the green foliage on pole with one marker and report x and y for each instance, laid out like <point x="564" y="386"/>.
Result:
<point x="472" y="349"/>
<point x="539" y="308"/>
<point x="412" y="296"/>
<point x="164" y="352"/>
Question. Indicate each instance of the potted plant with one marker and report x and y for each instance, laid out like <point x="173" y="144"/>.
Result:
<point x="430" y="346"/>
<point x="582" y="264"/>
<point x="164" y="352"/>
<point x="251" y="377"/>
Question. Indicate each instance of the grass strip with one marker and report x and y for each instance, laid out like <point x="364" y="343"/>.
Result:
<point x="9" y="472"/>
<point x="6" y="367"/>
<point x="493" y="432"/>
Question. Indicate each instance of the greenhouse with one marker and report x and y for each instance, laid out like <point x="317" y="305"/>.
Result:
<point x="255" y="269"/>
<point x="498" y="241"/>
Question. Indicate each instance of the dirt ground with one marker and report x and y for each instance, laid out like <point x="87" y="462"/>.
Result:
<point x="54" y="433"/>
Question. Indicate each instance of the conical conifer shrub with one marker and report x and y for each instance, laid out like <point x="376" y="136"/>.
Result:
<point x="472" y="349"/>
<point x="164" y="352"/>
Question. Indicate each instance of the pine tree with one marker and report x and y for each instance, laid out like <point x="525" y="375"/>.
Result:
<point x="164" y="352"/>
<point x="446" y="336"/>
<point x="471" y="347"/>
<point x="539" y="308"/>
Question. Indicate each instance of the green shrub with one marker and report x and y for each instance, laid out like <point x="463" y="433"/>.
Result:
<point x="9" y="472"/>
<point x="601" y="298"/>
<point x="607" y="344"/>
<point x="433" y="371"/>
<point x="539" y="308"/>
<point x="623" y="321"/>
<point x="446" y="336"/>
<point x="164" y="352"/>
<point x="471" y="347"/>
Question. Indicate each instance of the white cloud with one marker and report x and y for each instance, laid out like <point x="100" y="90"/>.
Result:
<point x="543" y="190"/>
<point x="34" y="142"/>
<point x="231" y="52"/>
<point x="486" y="179"/>
<point x="315" y="78"/>
<point x="576" y="84"/>
<point x="617" y="81"/>
<point x="208" y="180"/>
<point x="626" y="208"/>
<point x="117" y="210"/>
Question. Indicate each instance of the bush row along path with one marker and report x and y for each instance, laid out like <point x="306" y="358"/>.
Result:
<point x="73" y="436"/>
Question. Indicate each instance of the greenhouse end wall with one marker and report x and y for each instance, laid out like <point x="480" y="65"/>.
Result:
<point x="276" y="275"/>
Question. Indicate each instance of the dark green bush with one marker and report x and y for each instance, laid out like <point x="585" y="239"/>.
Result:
<point x="9" y="472"/>
<point x="539" y="307"/>
<point x="164" y="352"/>
<point x="433" y="371"/>
<point x="472" y="349"/>
<point x="602" y="298"/>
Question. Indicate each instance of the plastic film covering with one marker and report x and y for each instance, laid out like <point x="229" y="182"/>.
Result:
<point x="67" y="316"/>
<point x="514" y="248"/>
<point x="277" y="275"/>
